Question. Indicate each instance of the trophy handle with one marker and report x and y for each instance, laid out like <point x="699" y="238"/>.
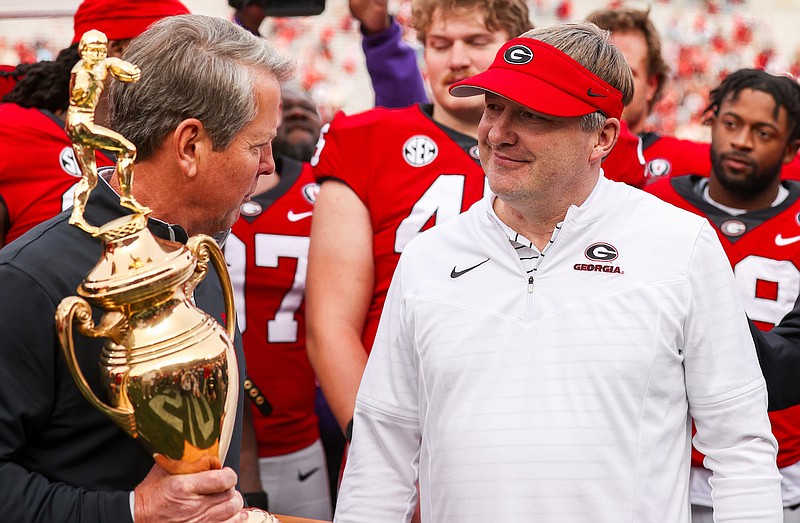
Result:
<point x="77" y="310"/>
<point x="205" y="248"/>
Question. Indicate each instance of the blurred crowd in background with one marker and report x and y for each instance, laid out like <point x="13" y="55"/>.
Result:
<point x="703" y="41"/>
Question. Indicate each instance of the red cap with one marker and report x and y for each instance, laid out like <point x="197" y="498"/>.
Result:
<point x="123" y="19"/>
<point x="545" y="79"/>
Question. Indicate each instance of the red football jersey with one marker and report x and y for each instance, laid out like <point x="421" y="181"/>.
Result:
<point x="410" y="172"/>
<point x="791" y="171"/>
<point x="267" y="255"/>
<point x="626" y="163"/>
<point x="37" y="167"/>
<point x="667" y="156"/>
<point x="764" y="250"/>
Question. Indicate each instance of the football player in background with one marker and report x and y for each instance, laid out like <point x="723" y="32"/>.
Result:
<point x="386" y="176"/>
<point x="267" y="255"/>
<point x="755" y="129"/>
<point x="634" y="34"/>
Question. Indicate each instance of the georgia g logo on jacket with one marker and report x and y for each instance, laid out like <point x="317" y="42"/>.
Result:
<point x="601" y="254"/>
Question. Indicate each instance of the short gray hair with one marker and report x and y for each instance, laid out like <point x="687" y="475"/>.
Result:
<point x="193" y="66"/>
<point x="589" y="45"/>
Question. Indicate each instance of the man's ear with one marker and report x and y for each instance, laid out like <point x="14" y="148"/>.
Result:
<point x="606" y="138"/>
<point x="791" y="151"/>
<point x="652" y="87"/>
<point x="191" y="143"/>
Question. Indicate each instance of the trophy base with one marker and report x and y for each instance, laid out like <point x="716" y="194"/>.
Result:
<point x="121" y="227"/>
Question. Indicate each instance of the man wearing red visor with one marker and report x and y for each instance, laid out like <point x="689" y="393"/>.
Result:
<point x="539" y="357"/>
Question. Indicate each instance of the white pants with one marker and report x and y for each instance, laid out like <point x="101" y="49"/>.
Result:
<point x="297" y="483"/>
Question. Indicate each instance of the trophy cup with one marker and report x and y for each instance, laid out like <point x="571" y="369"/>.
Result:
<point x="169" y="369"/>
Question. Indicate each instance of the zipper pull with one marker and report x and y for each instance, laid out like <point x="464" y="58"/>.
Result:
<point x="530" y="284"/>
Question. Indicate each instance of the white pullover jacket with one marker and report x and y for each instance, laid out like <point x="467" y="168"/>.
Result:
<point x="567" y="397"/>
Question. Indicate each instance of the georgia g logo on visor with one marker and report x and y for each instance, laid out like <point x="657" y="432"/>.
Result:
<point x="601" y="252"/>
<point x="518" y="55"/>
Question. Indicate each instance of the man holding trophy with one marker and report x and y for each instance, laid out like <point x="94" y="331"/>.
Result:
<point x="202" y="118"/>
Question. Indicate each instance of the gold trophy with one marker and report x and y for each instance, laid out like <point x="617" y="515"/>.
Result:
<point x="86" y="86"/>
<point x="169" y="369"/>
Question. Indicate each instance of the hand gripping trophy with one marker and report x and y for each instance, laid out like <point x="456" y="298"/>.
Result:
<point x="169" y="369"/>
<point x="86" y="85"/>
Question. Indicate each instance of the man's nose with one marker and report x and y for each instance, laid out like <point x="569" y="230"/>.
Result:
<point x="743" y="138"/>
<point x="459" y="56"/>
<point x="502" y="131"/>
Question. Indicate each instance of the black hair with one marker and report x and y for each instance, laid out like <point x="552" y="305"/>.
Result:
<point x="44" y="85"/>
<point x="783" y="89"/>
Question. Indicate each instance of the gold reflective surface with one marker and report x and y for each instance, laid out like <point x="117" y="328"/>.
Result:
<point x="169" y="369"/>
<point x="86" y="85"/>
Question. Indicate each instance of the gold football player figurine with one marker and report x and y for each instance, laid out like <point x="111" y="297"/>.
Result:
<point x="86" y="85"/>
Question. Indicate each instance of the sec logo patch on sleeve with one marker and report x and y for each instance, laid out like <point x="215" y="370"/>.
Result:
<point x="419" y="151"/>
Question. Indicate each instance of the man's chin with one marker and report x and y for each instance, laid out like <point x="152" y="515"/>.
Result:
<point x="299" y="134"/>
<point x="300" y="151"/>
<point x="464" y="108"/>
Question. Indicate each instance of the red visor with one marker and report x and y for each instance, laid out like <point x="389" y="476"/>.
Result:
<point x="540" y="77"/>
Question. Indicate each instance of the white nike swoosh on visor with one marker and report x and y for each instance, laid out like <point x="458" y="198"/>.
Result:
<point x="296" y="217"/>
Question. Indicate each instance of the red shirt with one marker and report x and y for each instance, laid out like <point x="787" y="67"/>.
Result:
<point x="410" y="172"/>
<point x="267" y="255"/>
<point x="626" y="163"/>
<point x="37" y="167"/>
<point x="764" y="250"/>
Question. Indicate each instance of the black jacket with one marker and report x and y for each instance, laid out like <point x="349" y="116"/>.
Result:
<point x="60" y="458"/>
<point x="779" y="355"/>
